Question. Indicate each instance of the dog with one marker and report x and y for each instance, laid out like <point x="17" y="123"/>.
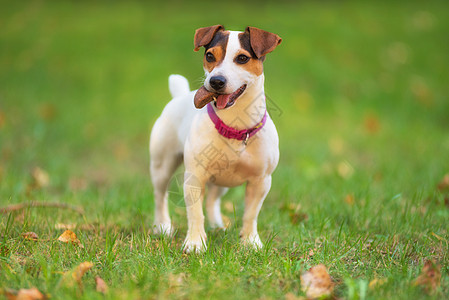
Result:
<point x="222" y="132"/>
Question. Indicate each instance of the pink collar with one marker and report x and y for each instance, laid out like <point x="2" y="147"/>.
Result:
<point x="232" y="133"/>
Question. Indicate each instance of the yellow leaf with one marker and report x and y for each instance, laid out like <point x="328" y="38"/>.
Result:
<point x="226" y="221"/>
<point x="101" y="286"/>
<point x="30" y="236"/>
<point x="40" y="178"/>
<point x="316" y="282"/>
<point x="229" y="206"/>
<point x="24" y="294"/>
<point x="70" y="236"/>
<point x="80" y="270"/>
<point x="376" y="282"/>
<point x="349" y="199"/>
<point x="291" y="296"/>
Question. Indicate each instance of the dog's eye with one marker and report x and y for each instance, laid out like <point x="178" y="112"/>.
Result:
<point x="210" y="57"/>
<point x="242" y="59"/>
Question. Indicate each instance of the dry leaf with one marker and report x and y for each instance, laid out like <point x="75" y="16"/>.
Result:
<point x="24" y="294"/>
<point x="77" y="184"/>
<point x="70" y="236"/>
<point x="336" y="145"/>
<point x="376" y="282"/>
<point x="80" y="270"/>
<point x="430" y="276"/>
<point x="76" y="275"/>
<point x="345" y="170"/>
<point x="349" y="199"/>
<point x="47" y="111"/>
<point x="40" y="178"/>
<point x="291" y="296"/>
<point x="30" y="236"/>
<point x="226" y="221"/>
<point x="229" y="206"/>
<point x="102" y="287"/>
<point x="443" y="185"/>
<point x="316" y="282"/>
<point x="176" y="280"/>
<point x="371" y="123"/>
<point x="2" y="119"/>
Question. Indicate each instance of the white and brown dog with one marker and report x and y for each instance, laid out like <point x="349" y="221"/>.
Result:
<point x="229" y="142"/>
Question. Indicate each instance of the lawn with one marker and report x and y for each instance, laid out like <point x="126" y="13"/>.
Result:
<point x="358" y="92"/>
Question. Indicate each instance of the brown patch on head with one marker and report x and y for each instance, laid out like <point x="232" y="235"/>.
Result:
<point x="216" y="47"/>
<point x="254" y="65"/>
<point x="260" y="42"/>
<point x="204" y="35"/>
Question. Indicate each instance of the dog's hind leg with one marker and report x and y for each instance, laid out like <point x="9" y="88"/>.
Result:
<point x="213" y="201"/>
<point x="164" y="160"/>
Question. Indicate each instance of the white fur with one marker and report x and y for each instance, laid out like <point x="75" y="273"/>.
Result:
<point x="178" y="85"/>
<point x="185" y="133"/>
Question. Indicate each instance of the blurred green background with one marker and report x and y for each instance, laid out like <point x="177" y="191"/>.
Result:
<point x="362" y="110"/>
<point x="81" y="83"/>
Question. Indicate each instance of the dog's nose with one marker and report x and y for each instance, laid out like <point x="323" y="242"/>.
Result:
<point x="217" y="82"/>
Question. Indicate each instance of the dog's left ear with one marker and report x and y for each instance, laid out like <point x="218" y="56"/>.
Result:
<point x="262" y="42"/>
<point x="204" y="36"/>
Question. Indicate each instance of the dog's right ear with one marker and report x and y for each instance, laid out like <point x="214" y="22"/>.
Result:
<point x="204" y="36"/>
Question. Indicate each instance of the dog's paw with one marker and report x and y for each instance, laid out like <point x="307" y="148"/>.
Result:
<point x="252" y="241"/>
<point x="163" y="229"/>
<point x="194" y="245"/>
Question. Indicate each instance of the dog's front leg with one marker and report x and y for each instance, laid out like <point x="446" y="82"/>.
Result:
<point x="193" y="194"/>
<point x="256" y="191"/>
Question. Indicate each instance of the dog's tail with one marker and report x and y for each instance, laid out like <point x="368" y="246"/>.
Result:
<point x="178" y="85"/>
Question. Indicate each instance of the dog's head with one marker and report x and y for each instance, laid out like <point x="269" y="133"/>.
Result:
<point x="232" y="62"/>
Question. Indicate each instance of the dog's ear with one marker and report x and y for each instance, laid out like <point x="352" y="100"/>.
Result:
<point x="204" y="36"/>
<point x="262" y="42"/>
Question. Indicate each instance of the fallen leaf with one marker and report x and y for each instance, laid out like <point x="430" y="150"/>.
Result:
<point x="229" y="206"/>
<point x="176" y="280"/>
<point x="226" y="221"/>
<point x="80" y="270"/>
<point x="76" y="275"/>
<point x="345" y="170"/>
<point x="70" y="236"/>
<point x="371" y="123"/>
<point x="298" y="217"/>
<point x="349" y="199"/>
<point x="443" y="185"/>
<point x="291" y="296"/>
<point x="24" y="294"/>
<point x="376" y="282"/>
<point x="2" y="119"/>
<point x="430" y="276"/>
<point x="47" y="111"/>
<point x="30" y="236"/>
<point x="316" y="282"/>
<point x="77" y="184"/>
<point x="294" y="212"/>
<point x="101" y="286"/>
<point x="40" y="178"/>
<point x="336" y="145"/>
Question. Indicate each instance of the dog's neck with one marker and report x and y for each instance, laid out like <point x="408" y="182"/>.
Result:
<point x="248" y="109"/>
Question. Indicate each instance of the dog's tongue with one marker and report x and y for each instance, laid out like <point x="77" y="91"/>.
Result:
<point x="202" y="97"/>
<point x="222" y="100"/>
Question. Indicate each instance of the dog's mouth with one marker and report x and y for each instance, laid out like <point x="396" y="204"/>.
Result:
<point x="203" y="96"/>
<point x="228" y="100"/>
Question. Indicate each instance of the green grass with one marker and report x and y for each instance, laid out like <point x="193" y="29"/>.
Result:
<point x="362" y="90"/>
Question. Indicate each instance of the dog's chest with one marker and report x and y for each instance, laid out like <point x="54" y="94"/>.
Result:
<point x="230" y="162"/>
